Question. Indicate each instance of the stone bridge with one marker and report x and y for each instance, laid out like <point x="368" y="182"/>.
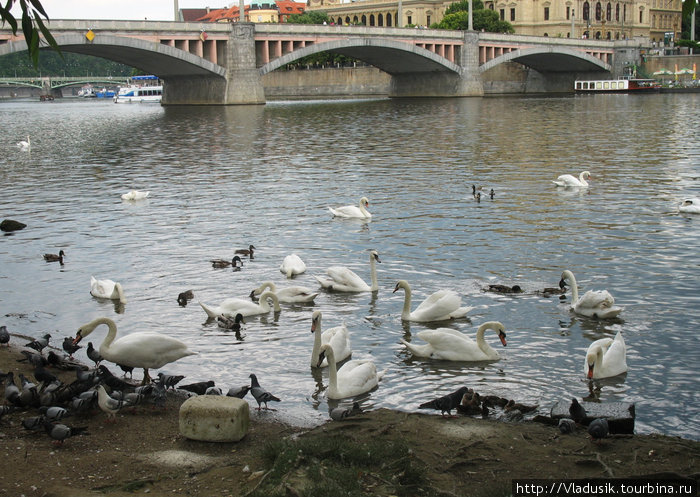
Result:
<point x="221" y="63"/>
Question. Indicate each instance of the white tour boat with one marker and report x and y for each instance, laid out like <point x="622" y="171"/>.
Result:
<point x="617" y="86"/>
<point x="143" y="89"/>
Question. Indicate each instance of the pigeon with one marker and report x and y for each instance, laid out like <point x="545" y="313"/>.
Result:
<point x="25" y="383"/>
<point x="199" y="388"/>
<point x="110" y="380"/>
<point x="7" y="410"/>
<point x="59" y="432"/>
<point x="40" y="343"/>
<point x="169" y="381"/>
<point x="44" y="376"/>
<point x="566" y="425"/>
<point x="33" y="358"/>
<point x="93" y="354"/>
<point x="183" y="297"/>
<point x="12" y="392"/>
<point x="33" y="423"/>
<point x="576" y="411"/>
<point x="261" y="395"/>
<point x="126" y="369"/>
<point x="108" y="405"/>
<point x="341" y="413"/>
<point x="54" y="413"/>
<point x="69" y="347"/>
<point x="158" y="394"/>
<point x="470" y="403"/>
<point x="213" y="391"/>
<point x="4" y="336"/>
<point x="238" y="392"/>
<point x="446" y="403"/>
<point x="598" y="429"/>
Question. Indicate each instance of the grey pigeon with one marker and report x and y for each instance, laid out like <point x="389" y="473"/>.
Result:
<point x="59" y="432"/>
<point x="576" y="411"/>
<point x="213" y="391"/>
<point x="110" y="380"/>
<point x="199" y="388"/>
<point x="238" y="392"/>
<point x="54" y="413"/>
<point x="598" y="428"/>
<point x="108" y="405"/>
<point x="33" y="423"/>
<point x="158" y="394"/>
<point x="93" y="354"/>
<point x="43" y="376"/>
<point x="4" y="335"/>
<point x="34" y="358"/>
<point x="69" y="347"/>
<point x="40" y="343"/>
<point x="341" y="413"/>
<point x="261" y="395"/>
<point x="446" y="403"/>
<point x="566" y="425"/>
<point x="12" y="392"/>
<point x="169" y="380"/>
<point x="7" y="410"/>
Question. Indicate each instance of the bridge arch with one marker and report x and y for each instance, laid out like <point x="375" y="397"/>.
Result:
<point x="550" y="59"/>
<point x="392" y="57"/>
<point x="150" y="56"/>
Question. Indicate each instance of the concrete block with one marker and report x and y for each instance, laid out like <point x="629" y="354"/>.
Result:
<point x="211" y="418"/>
<point x="620" y="415"/>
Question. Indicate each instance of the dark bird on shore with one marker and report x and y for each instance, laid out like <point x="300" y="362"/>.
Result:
<point x="566" y="425"/>
<point x="110" y="380"/>
<point x="504" y="289"/>
<point x="184" y="297"/>
<point x="33" y="358"/>
<point x="598" y="429"/>
<point x="33" y="423"/>
<point x="221" y="263"/>
<point x="40" y="343"/>
<point x="170" y="380"/>
<point x="238" y="392"/>
<point x="576" y="411"/>
<point x="59" y="432"/>
<point x="341" y="413"/>
<point x="213" y="391"/>
<point x="261" y="395"/>
<point x="199" y="388"/>
<point x="4" y="336"/>
<point x="55" y="257"/>
<point x="7" y="410"/>
<point x="446" y="403"/>
<point x="511" y="405"/>
<point x="229" y="323"/>
<point x="69" y="348"/>
<point x="248" y="251"/>
<point x="470" y="403"/>
<point x="127" y="370"/>
<point x="44" y="376"/>
<point x="93" y="354"/>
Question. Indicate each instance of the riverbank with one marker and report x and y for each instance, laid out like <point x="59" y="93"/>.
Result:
<point x="377" y="453"/>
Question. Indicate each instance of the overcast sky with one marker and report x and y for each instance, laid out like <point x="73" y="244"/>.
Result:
<point x="156" y="10"/>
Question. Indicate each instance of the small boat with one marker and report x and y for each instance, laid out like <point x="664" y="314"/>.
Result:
<point x="105" y="93"/>
<point x="87" y="91"/>
<point x="143" y="89"/>
<point x="617" y="86"/>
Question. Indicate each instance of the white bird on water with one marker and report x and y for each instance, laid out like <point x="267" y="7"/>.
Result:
<point x="25" y="145"/>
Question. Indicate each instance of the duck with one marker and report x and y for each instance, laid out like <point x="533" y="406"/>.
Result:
<point x="343" y="279"/>
<point x="233" y="306"/>
<point x="570" y="180"/>
<point x="496" y="288"/>
<point x="354" y="378"/>
<point x="145" y="349"/>
<point x="606" y="357"/>
<point x="107" y="289"/>
<point x="292" y="265"/>
<point x="25" y="145"/>
<point x="135" y="195"/>
<point x="231" y="323"/>
<point x="451" y="345"/>
<point x="594" y="303"/>
<point x="249" y="251"/>
<point x="221" y="263"/>
<point x="337" y="337"/>
<point x="440" y="306"/>
<point x="55" y="257"/>
<point x="690" y="205"/>
<point x="351" y="211"/>
<point x="184" y="297"/>
<point x="290" y="294"/>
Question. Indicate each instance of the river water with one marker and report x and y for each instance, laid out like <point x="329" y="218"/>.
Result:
<point x="222" y="178"/>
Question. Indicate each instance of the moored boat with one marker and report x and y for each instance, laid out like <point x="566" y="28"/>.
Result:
<point x="617" y="86"/>
<point x="143" y="89"/>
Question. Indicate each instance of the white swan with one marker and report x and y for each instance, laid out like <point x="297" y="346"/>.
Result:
<point x="360" y="211"/>
<point x="605" y="358"/>
<point x="594" y="303"/>
<point x="107" y="289"/>
<point x="338" y="338"/>
<point x="25" y="145"/>
<point x="355" y="377"/>
<point x="451" y="345"/>
<point x="342" y="279"/>
<point x="135" y="195"/>
<point x="569" y="180"/>
<point x="147" y="350"/>
<point x="440" y="306"/>
<point x="290" y="294"/>
<point x="233" y="306"/>
<point x="292" y="265"/>
<point x="690" y="205"/>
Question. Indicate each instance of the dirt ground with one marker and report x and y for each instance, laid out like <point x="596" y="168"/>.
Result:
<point x="144" y="453"/>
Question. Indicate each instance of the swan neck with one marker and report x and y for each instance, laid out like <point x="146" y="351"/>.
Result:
<point x="111" y="334"/>
<point x="480" y="332"/>
<point x="373" y="273"/>
<point x="574" y="288"/>
<point x="317" y="344"/>
<point x="332" y="370"/>
<point x="405" y="314"/>
<point x="120" y="293"/>
<point x="264" y="304"/>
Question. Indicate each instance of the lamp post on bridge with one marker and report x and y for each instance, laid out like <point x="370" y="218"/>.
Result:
<point x="471" y="16"/>
<point x="572" y="24"/>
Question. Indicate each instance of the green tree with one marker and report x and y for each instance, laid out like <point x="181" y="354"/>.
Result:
<point x="483" y="19"/>
<point x="32" y="25"/>
<point x="464" y="6"/>
<point x="314" y="17"/>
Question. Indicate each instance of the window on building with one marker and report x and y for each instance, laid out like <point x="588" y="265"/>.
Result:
<point x="546" y="13"/>
<point x="503" y="14"/>
<point x="371" y="20"/>
<point x="409" y="20"/>
<point x="380" y="20"/>
<point x="641" y="16"/>
<point x="427" y="20"/>
<point x="586" y="11"/>
<point x="608" y="12"/>
<point x="617" y="12"/>
<point x="364" y="20"/>
<point x="512" y="14"/>
<point x="624" y="13"/>
<point x="598" y="11"/>
<point x="388" y="20"/>
<point x="568" y="13"/>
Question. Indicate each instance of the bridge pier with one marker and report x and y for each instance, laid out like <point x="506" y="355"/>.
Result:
<point x="242" y="84"/>
<point x="441" y="84"/>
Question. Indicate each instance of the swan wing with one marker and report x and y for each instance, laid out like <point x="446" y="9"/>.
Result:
<point x="347" y="211"/>
<point x="145" y="350"/>
<point x="615" y="357"/>
<point x="438" y="307"/>
<point x="345" y="279"/>
<point x="451" y="346"/>
<point x="292" y="264"/>
<point x="295" y="294"/>
<point x="597" y="303"/>
<point x="101" y="288"/>
<point x="356" y="377"/>
<point x="339" y="340"/>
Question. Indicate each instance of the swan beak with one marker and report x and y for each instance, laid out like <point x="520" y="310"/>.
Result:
<point x="590" y="371"/>
<point x="502" y="336"/>
<point x="396" y="288"/>
<point x="313" y="326"/>
<point x="252" y="294"/>
<point x="321" y="357"/>
<point x="77" y="339"/>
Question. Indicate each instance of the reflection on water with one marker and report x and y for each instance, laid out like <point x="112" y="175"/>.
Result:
<point x="224" y="178"/>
